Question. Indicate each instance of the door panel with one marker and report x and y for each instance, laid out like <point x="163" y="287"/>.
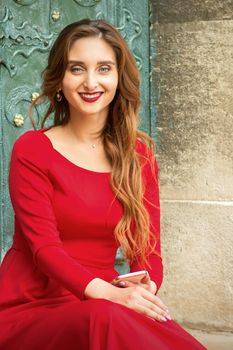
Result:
<point x="27" y="31"/>
<point x="25" y="39"/>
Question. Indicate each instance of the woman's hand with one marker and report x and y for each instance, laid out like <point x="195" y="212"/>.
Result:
<point x="134" y="297"/>
<point x="145" y="283"/>
<point x="140" y="299"/>
<point x="161" y="311"/>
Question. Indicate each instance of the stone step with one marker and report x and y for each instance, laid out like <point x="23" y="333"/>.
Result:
<point x="214" y="341"/>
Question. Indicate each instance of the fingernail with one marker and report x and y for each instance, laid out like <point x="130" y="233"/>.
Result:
<point x="121" y="284"/>
<point x="163" y="318"/>
<point x="168" y="317"/>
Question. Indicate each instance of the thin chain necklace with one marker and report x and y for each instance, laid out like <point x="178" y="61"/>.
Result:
<point x="94" y="145"/>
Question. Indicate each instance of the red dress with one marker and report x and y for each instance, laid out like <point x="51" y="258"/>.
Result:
<point x="64" y="237"/>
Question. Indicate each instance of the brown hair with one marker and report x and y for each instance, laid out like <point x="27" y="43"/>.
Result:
<point x="120" y="133"/>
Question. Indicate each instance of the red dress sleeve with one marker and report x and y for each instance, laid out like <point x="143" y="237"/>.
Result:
<point x="152" y="203"/>
<point x="31" y="192"/>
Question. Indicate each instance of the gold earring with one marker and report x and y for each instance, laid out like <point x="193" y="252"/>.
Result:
<point x="58" y="96"/>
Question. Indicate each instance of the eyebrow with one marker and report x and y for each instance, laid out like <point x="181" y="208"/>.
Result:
<point x="83" y="63"/>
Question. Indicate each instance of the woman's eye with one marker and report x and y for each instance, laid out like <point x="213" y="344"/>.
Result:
<point x="77" y="69"/>
<point x="104" y="69"/>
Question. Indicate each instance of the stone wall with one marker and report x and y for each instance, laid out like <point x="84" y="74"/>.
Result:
<point x="193" y="78"/>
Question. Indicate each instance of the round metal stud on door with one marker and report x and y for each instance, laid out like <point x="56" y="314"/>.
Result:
<point x="56" y="16"/>
<point x="19" y="120"/>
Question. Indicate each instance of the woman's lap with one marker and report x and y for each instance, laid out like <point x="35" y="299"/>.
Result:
<point x="94" y="324"/>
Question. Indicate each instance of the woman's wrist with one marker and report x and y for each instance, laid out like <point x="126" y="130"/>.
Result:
<point x="99" y="289"/>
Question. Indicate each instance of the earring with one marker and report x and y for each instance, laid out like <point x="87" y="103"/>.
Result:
<point x="58" y="96"/>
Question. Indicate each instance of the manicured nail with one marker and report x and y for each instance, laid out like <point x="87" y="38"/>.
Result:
<point x="163" y="318"/>
<point x="121" y="284"/>
<point x="168" y="317"/>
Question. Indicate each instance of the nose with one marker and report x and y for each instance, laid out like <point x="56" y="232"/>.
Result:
<point x="91" y="81"/>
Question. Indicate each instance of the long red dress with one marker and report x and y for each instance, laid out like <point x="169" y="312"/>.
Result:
<point x="64" y="237"/>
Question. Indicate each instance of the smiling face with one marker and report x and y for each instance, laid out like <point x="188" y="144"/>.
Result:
<point x="91" y="78"/>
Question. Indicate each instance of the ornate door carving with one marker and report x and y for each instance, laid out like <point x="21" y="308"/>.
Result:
<point x="27" y="31"/>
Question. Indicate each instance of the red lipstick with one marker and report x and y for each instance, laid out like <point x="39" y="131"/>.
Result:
<point x="90" y="97"/>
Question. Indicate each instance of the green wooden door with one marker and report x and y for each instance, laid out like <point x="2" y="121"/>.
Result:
<point x="27" y="31"/>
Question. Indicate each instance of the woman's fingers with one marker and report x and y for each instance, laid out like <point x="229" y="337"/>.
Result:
<point x="155" y="304"/>
<point x="138" y="298"/>
<point x="125" y="284"/>
<point x="148" y="295"/>
<point x="151" y="287"/>
<point x="149" y="284"/>
<point x="145" y="283"/>
<point x="150" y="313"/>
<point x="146" y="279"/>
<point x="155" y="300"/>
<point x="145" y="302"/>
<point x="155" y="311"/>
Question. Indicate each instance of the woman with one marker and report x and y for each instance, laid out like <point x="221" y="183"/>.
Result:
<point x="80" y="189"/>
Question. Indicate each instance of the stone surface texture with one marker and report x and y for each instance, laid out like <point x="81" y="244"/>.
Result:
<point x="214" y="341"/>
<point x="193" y="88"/>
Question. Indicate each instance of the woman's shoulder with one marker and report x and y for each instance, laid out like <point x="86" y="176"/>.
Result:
<point x="34" y="147"/>
<point x="32" y="141"/>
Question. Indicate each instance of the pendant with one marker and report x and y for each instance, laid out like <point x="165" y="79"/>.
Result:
<point x="93" y="146"/>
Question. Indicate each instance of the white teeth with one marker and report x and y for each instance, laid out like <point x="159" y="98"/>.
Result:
<point x="91" y="95"/>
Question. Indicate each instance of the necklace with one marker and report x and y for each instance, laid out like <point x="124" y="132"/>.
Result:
<point x="97" y="144"/>
<point x="92" y="145"/>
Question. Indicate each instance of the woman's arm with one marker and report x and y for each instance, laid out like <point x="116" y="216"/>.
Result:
<point x="31" y="193"/>
<point x="152" y="203"/>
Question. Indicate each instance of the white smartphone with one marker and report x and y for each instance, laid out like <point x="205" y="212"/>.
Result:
<point x="134" y="277"/>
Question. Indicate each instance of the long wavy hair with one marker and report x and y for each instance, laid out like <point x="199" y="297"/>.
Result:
<point x="119" y="134"/>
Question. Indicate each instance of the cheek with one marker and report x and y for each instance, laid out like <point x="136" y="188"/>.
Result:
<point x="111" y="83"/>
<point x="69" y="83"/>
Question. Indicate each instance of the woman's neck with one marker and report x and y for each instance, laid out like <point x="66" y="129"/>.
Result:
<point x="86" y="129"/>
<point x="85" y="133"/>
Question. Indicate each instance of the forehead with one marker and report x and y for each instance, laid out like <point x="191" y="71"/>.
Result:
<point x="91" y="49"/>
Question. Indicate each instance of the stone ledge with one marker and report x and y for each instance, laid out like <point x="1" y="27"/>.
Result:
<point x="213" y="341"/>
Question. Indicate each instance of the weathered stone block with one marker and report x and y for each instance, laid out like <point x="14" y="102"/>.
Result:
<point x="166" y="11"/>
<point x="195" y="110"/>
<point x="197" y="243"/>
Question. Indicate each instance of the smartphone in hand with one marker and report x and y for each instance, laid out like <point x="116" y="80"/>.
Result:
<point x="134" y="277"/>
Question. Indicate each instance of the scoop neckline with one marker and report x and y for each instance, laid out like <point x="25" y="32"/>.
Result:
<point x="42" y="131"/>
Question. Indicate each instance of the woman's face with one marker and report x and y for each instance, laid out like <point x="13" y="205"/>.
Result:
<point x="91" y="77"/>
